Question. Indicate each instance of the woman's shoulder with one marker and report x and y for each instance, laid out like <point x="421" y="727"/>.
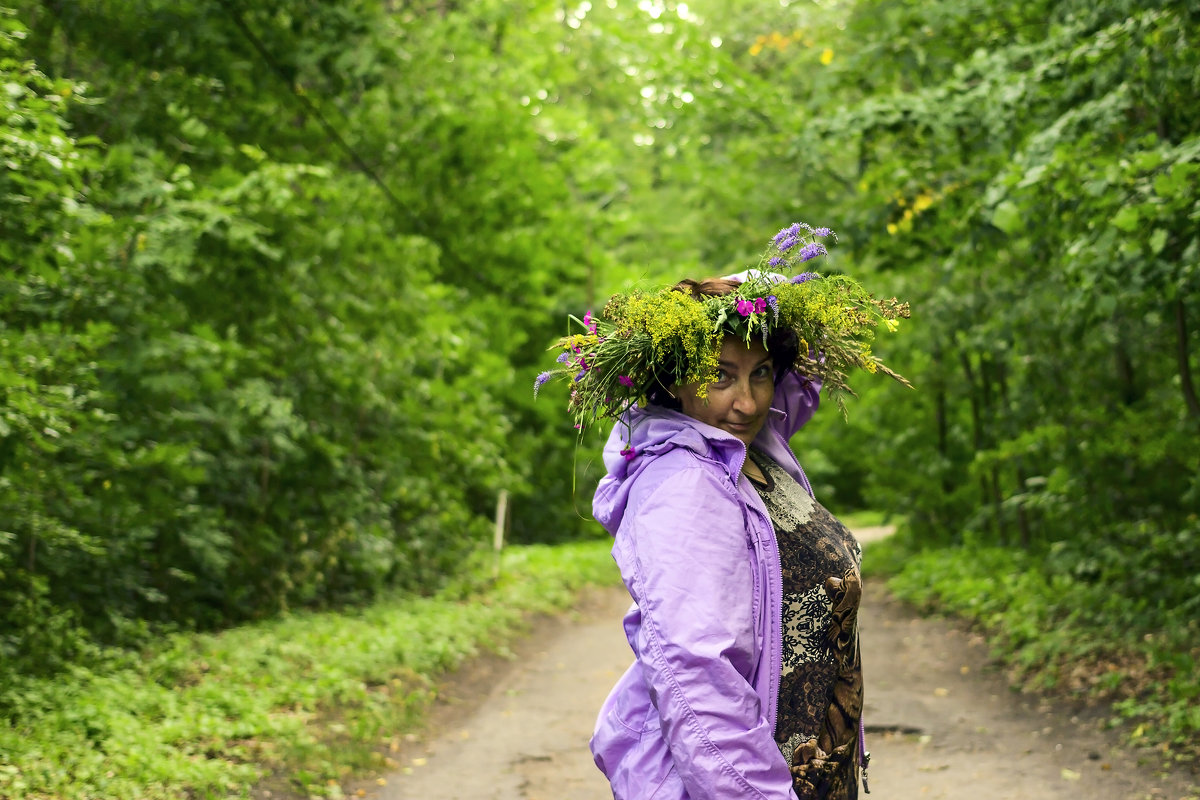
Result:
<point x="683" y="477"/>
<point x="675" y="465"/>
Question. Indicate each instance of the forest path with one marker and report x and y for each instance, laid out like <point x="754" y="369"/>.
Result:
<point x="941" y="722"/>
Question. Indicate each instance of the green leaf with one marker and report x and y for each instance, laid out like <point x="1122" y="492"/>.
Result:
<point x="1127" y="219"/>
<point x="1158" y="240"/>
<point x="1007" y="217"/>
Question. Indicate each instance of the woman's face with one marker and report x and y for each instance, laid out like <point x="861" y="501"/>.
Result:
<point x="741" y="396"/>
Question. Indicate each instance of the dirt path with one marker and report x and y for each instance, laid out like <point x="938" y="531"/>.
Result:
<point x="518" y="730"/>
<point x="940" y="722"/>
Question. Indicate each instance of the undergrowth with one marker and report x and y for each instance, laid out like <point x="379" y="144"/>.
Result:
<point x="1090" y="634"/>
<point x="309" y="700"/>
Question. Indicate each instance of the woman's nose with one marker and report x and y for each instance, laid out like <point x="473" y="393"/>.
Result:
<point x="743" y="399"/>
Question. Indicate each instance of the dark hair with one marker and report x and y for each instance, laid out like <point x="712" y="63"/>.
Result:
<point x="782" y="344"/>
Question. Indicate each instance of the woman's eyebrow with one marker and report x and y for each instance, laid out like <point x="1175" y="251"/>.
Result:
<point x="767" y="360"/>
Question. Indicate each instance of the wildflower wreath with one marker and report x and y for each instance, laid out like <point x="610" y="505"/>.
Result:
<point x="645" y="339"/>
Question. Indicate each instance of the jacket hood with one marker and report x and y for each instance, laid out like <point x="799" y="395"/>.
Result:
<point x="654" y="432"/>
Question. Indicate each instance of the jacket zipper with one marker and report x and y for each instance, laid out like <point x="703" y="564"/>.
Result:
<point x="773" y="605"/>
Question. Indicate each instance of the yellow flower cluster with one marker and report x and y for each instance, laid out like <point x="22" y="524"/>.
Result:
<point x="868" y="360"/>
<point x="677" y="326"/>
<point x="778" y="41"/>
<point x="781" y="41"/>
<point x="579" y="341"/>
<point x="806" y="307"/>
<point x="924" y="200"/>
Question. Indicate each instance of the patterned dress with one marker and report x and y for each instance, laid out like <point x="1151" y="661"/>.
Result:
<point x="821" y="690"/>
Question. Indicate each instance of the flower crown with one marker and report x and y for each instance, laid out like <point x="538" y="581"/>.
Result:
<point x="646" y="339"/>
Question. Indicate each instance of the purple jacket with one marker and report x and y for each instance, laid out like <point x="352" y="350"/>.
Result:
<point x="693" y="718"/>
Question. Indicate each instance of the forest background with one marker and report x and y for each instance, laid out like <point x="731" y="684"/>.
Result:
<point x="276" y="278"/>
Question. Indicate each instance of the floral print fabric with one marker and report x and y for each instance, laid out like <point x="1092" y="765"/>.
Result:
<point x="821" y="689"/>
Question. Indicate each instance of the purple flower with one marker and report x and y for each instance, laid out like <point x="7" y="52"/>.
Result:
<point x="760" y="305"/>
<point x="579" y="377"/>
<point x="629" y="452"/>
<point x="539" y="380"/>
<point x="788" y="243"/>
<point x="775" y="261"/>
<point x="625" y="380"/>
<point x="811" y="251"/>
<point x="822" y="233"/>
<point x="805" y="276"/>
<point x="745" y="308"/>
<point x="773" y="302"/>
<point x="563" y="357"/>
<point x="791" y="231"/>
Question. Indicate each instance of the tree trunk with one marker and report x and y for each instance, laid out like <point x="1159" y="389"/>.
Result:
<point x="1185" y="367"/>
<point x="1125" y="374"/>
<point x="986" y="368"/>
<point x="1024" y="535"/>
<point x="1023" y="528"/>
<point x="977" y="430"/>
<point x="940" y="422"/>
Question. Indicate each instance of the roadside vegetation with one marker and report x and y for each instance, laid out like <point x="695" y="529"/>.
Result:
<point x="1087" y="635"/>
<point x="301" y="703"/>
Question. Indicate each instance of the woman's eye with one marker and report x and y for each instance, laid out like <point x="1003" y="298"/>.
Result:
<point x="764" y="371"/>
<point x="722" y="376"/>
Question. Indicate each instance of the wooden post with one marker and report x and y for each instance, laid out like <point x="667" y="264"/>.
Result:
<point x="498" y="536"/>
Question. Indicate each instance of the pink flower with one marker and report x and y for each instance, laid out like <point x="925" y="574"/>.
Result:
<point x="745" y="308"/>
<point x="587" y="322"/>
<point x="760" y="305"/>
<point x="629" y="452"/>
<point x="625" y="380"/>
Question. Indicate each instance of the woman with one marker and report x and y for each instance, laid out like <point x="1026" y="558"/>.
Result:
<point x="746" y="681"/>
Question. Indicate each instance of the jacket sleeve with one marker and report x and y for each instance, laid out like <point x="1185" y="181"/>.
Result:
<point x="685" y="553"/>
<point x="798" y="396"/>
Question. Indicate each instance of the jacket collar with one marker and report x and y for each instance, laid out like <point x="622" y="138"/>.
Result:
<point x="666" y="429"/>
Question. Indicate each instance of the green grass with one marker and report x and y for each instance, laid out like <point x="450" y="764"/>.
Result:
<point x="307" y="700"/>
